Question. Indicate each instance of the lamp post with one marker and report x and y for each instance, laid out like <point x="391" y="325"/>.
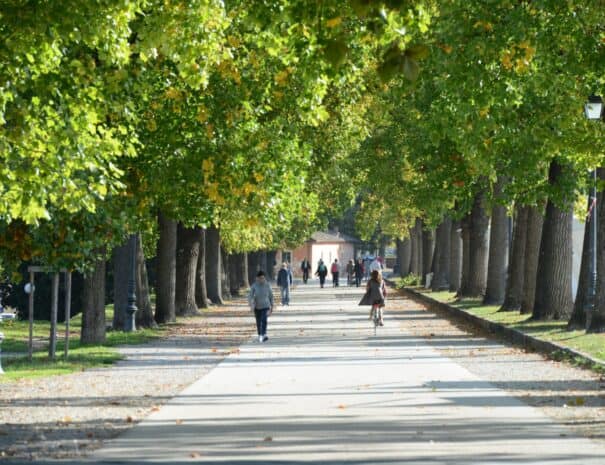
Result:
<point x="129" y="321"/>
<point x="593" y="110"/>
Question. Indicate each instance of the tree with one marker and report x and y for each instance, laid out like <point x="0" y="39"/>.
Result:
<point x="93" y="314"/>
<point x="165" y="311"/>
<point x="498" y="251"/>
<point x="553" y="285"/>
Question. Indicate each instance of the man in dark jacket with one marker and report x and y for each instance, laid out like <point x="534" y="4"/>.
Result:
<point x="305" y="267"/>
<point x="284" y="281"/>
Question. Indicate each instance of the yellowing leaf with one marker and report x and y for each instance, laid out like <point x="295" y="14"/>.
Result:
<point x="210" y="131"/>
<point x="173" y="94"/>
<point x="282" y="77"/>
<point x="202" y="114"/>
<point x="208" y="166"/>
<point x="334" y="22"/>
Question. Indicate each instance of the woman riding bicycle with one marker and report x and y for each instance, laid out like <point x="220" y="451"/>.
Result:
<point x="375" y="295"/>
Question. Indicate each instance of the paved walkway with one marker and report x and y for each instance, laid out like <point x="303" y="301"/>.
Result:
<point x="325" y="390"/>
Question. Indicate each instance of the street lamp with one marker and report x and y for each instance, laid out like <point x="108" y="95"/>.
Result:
<point x="593" y="109"/>
<point x="129" y="321"/>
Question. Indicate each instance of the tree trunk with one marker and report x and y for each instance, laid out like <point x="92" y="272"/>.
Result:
<point x="213" y="265"/>
<point x="478" y="247"/>
<point x="144" y="315"/>
<point x="441" y="278"/>
<point x="253" y="266"/>
<point x="271" y="264"/>
<point x="413" y="251"/>
<point x="465" y="233"/>
<point x="165" y="309"/>
<point x="455" y="256"/>
<point x="225" y="281"/>
<point x="535" y="220"/>
<point x="262" y="262"/>
<point x="428" y="248"/>
<point x="553" y="285"/>
<point x="516" y="269"/>
<point x="187" y="256"/>
<point x="244" y="271"/>
<point x="404" y="255"/>
<point x="417" y="249"/>
<point x="234" y="274"/>
<point x="597" y="320"/>
<point x="201" y="294"/>
<point x="498" y="252"/>
<point x="121" y="275"/>
<point x="93" y="314"/>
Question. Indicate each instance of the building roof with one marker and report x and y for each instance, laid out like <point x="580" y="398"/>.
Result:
<point x="332" y="237"/>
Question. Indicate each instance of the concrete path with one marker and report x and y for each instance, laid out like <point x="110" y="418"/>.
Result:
<point x="325" y="390"/>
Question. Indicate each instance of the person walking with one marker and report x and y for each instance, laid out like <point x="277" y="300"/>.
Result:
<point x="335" y="270"/>
<point x="350" y="272"/>
<point x="358" y="272"/>
<point x="305" y="267"/>
<point x="284" y="281"/>
<point x="322" y="271"/>
<point x="376" y="265"/>
<point x="260" y="299"/>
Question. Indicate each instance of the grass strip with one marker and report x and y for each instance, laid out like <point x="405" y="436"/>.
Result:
<point x="81" y="356"/>
<point x="553" y="331"/>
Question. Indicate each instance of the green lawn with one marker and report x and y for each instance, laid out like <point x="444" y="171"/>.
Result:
<point x="554" y="331"/>
<point x="80" y="356"/>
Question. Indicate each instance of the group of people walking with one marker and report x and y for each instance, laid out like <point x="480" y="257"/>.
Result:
<point x="261" y="301"/>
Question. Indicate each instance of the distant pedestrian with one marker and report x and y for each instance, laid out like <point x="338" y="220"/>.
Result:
<point x="358" y="272"/>
<point x="335" y="270"/>
<point x="350" y="272"/>
<point x="305" y="267"/>
<point x="260" y="299"/>
<point x="322" y="271"/>
<point x="376" y="265"/>
<point x="284" y="281"/>
<point x="366" y="267"/>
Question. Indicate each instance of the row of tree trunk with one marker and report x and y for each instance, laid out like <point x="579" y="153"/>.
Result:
<point x="193" y="271"/>
<point x="532" y="274"/>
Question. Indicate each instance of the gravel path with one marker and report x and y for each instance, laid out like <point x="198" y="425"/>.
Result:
<point x="572" y="396"/>
<point x="67" y="416"/>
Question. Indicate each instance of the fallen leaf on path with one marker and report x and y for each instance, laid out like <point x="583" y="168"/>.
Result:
<point x="155" y="408"/>
<point x="129" y="419"/>
<point x="342" y="407"/>
<point x="179" y="422"/>
<point x="268" y="439"/>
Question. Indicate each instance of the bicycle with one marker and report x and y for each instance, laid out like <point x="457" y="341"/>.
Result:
<point x="376" y="316"/>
